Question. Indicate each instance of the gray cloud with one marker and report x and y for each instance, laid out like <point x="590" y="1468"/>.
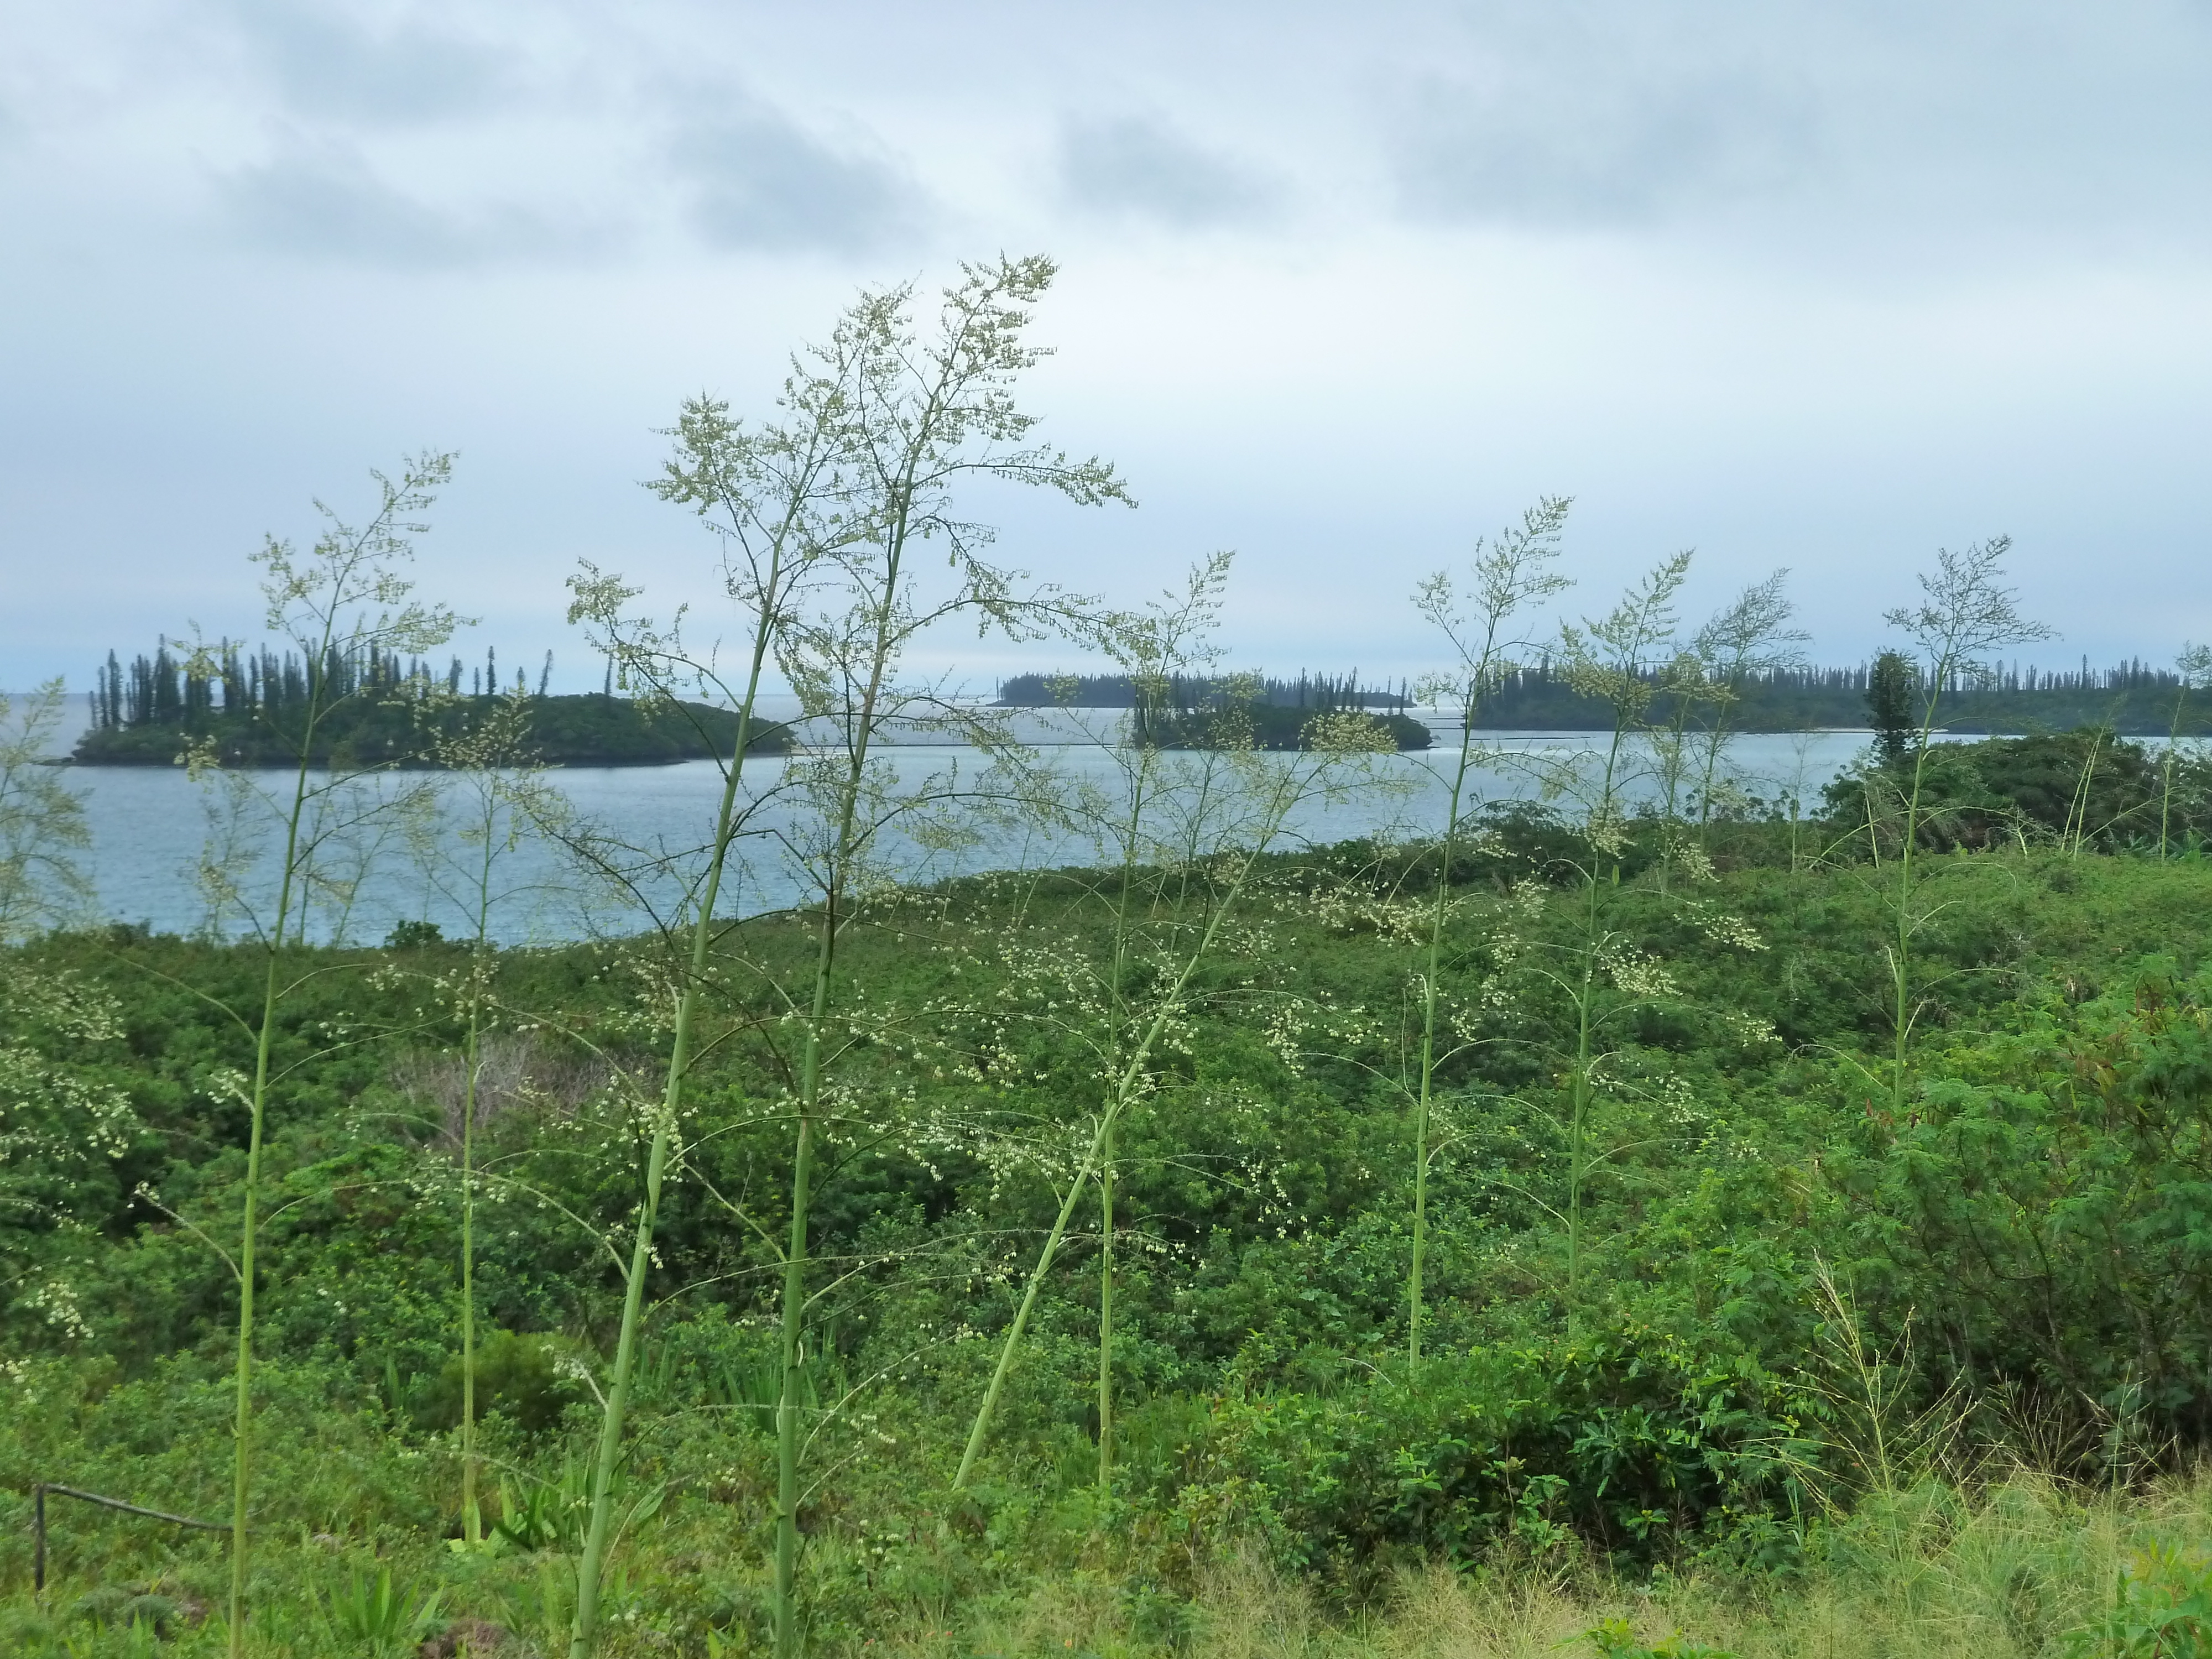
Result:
<point x="1524" y="143"/>
<point x="1141" y="168"/>
<point x="757" y="181"/>
<point x="1909" y="126"/>
<point x="327" y="65"/>
<point x="325" y="201"/>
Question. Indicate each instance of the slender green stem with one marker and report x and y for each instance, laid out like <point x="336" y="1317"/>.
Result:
<point x="981" y="1425"/>
<point x="592" y="1563"/>
<point x="1421" y="1108"/>
<point x="1125" y="1090"/>
<point x="1901" y="951"/>
<point x="1106" y="1317"/>
<point x="1117" y="1008"/>
<point x="860" y="735"/>
<point x="792" y="1353"/>
<point x="471" y="1512"/>
<point x="242" y="1429"/>
<point x="1578" y="1106"/>
<point x="2165" y="772"/>
<point x="471" y="1522"/>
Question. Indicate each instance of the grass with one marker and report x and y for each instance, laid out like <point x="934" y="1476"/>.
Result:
<point x="2010" y="1569"/>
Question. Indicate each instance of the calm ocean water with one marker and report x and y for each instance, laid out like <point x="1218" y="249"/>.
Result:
<point x="150" y="826"/>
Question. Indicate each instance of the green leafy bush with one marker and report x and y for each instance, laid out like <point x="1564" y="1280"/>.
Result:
<point x="2048" y="1210"/>
<point x="1613" y="1639"/>
<point x="2161" y="1609"/>
<point x="1627" y="1440"/>
<point x="530" y="1379"/>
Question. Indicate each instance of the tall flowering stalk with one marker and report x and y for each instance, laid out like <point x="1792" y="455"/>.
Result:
<point x="1606" y="658"/>
<point x="1235" y="805"/>
<point x="828" y="514"/>
<point x="1509" y="574"/>
<point x="1965" y="613"/>
<point x="347" y="598"/>
<point x="929" y="415"/>
<point x="494" y="799"/>
<point x="774" y="498"/>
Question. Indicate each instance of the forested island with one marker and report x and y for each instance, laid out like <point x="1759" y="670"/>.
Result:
<point x="2132" y="698"/>
<point x="248" y="708"/>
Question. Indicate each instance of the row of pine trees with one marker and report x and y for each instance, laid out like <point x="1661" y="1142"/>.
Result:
<point x="194" y="688"/>
<point x="1324" y="693"/>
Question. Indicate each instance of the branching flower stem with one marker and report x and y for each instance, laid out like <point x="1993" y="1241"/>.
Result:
<point x="1513" y="572"/>
<point x="1128" y="1085"/>
<point x="332" y="592"/>
<point x="1965" y="612"/>
<point x="591" y="1567"/>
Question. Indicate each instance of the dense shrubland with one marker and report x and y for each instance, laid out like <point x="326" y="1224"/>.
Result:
<point x="2021" y="1257"/>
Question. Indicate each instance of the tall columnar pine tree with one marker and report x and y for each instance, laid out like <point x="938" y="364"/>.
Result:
<point x="1893" y="708"/>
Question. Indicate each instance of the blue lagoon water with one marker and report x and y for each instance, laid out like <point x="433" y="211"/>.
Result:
<point x="151" y="826"/>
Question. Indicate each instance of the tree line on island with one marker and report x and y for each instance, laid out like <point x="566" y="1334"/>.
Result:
<point x="2132" y="697"/>
<point x="244" y="706"/>
<point x="256" y="708"/>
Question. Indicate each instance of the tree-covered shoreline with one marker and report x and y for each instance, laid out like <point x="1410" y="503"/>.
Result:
<point x="382" y="714"/>
<point x="2130" y="700"/>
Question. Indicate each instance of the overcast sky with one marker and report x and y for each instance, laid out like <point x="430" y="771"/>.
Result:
<point x="1818" y="286"/>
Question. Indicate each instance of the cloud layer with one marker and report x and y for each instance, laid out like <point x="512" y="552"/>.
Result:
<point x="1799" y="283"/>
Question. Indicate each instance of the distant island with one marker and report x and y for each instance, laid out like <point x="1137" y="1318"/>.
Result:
<point x="2130" y="699"/>
<point x="385" y="713"/>
<point x="1199" y="712"/>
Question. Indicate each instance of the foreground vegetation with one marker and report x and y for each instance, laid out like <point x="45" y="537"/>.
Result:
<point x="1820" y="1346"/>
<point x="1627" y="1202"/>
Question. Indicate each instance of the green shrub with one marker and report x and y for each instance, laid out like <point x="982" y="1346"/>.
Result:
<point x="528" y="1379"/>
<point x="1626" y="1440"/>
<point x="1614" y="1640"/>
<point x="2161" y="1609"/>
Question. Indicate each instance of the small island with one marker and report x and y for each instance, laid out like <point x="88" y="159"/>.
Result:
<point x="1229" y="710"/>
<point x="246" y="711"/>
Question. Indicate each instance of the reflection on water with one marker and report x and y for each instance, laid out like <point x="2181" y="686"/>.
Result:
<point x="149" y="825"/>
